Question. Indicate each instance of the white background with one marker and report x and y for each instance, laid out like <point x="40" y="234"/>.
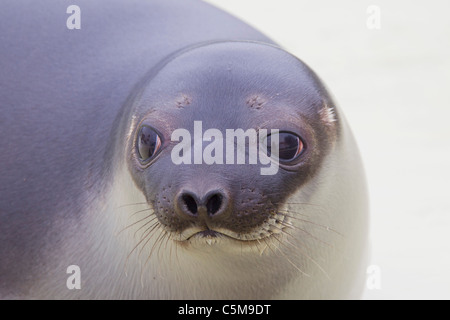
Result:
<point x="393" y="85"/>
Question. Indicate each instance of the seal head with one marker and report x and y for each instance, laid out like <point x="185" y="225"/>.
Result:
<point x="216" y="88"/>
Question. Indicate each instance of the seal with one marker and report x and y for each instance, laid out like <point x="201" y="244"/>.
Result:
<point x="112" y="139"/>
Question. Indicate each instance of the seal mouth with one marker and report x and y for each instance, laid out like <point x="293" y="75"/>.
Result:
<point x="210" y="234"/>
<point x="212" y="237"/>
<point x="275" y="225"/>
<point x="207" y="234"/>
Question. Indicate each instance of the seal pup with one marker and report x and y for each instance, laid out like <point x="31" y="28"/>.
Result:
<point x="88" y="177"/>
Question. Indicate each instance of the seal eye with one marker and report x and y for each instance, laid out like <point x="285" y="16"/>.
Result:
<point x="290" y="146"/>
<point x="148" y="143"/>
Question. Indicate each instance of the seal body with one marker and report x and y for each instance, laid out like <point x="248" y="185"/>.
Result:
<point x="88" y="174"/>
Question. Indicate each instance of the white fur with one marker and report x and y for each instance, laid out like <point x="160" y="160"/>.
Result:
<point x="327" y="114"/>
<point x="320" y="256"/>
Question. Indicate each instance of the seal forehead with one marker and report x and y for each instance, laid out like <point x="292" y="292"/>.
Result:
<point x="245" y="67"/>
<point x="215" y="82"/>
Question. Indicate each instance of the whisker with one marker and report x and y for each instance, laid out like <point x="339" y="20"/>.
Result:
<point x="287" y="259"/>
<point x="304" y="203"/>
<point x="291" y="226"/>
<point x="151" y="233"/>
<point x="267" y="245"/>
<point x="294" y="227"/>
<point x="144" y="225"/>
<point x="148" y="230"/>
<point x="288" y="214"/>
<point x="288" y="211"/>
<point x="303" y="253"/>
<point x="171" y="247"/>
<point x="165" y="236"/>
<point x="132" y="204"/>
<point x="175" y="243"/>
<point x="160" y="245"/>
<point x="140" y="241"/>
<point x="290" y="202"/>
<point x="150" y="254"/>
<point x="140" y="211"/>
<point x="129" y="226"/>
<point x="158" y="239"/>
<point x="261" y="252"/>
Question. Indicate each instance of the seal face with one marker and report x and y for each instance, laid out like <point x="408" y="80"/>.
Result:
<point x="228" y="86"/>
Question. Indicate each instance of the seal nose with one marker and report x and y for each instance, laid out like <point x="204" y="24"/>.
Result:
<point x="212" y="204"/>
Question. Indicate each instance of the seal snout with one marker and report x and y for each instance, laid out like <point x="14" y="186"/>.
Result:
<point x="193" y="205"/>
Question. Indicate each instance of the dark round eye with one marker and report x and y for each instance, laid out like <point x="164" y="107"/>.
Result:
<point x="290" y="146"/>
<point x="148" y="143"/>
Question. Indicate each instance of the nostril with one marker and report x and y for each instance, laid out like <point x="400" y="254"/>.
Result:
<point x="191" y="204"/>
<point x="214" y="204"/>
